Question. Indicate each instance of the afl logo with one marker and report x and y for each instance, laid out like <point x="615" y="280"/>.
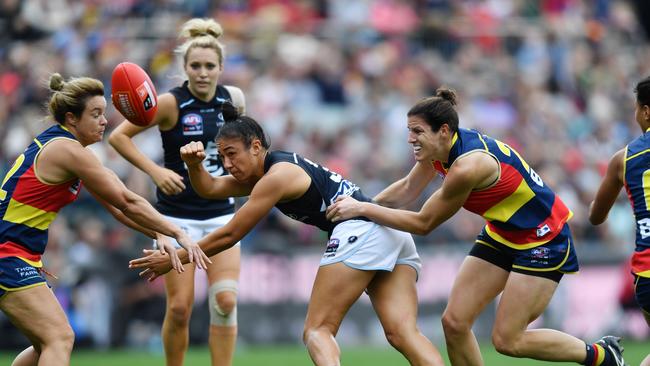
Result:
<point x="192" y="124"/>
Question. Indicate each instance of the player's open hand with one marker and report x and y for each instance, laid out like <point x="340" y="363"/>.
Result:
<point x="169" y="182"/>
<point x="154" y="263"/>
<point x="193" y="153"/>
<point x="345" y="207"/>
<point x="194" y="252"/>
<point x="165" y="245"/>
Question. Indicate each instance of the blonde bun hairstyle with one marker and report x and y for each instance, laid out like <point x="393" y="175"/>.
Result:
<point x="200" y="32"/>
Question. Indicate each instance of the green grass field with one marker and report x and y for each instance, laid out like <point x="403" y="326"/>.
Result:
<point x="295" y="355"/>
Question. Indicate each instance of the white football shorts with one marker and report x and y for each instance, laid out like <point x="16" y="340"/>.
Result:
<point x="368" y="246"/>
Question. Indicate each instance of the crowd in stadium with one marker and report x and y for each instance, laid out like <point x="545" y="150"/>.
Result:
<point x="333" y="80"/>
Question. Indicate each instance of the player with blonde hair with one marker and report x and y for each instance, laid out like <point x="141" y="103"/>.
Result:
<point x="190" y="112"/>
<point x="47" y="176"/>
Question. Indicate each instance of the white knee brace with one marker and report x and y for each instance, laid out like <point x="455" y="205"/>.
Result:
<point x="217" y="316"/>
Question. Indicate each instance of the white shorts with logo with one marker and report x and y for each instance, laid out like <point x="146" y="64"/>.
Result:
<point x="368" y="246"/>
<point x="197" y="229"/>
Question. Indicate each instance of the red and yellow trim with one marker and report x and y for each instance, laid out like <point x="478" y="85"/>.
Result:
<point x="11" y="249"/>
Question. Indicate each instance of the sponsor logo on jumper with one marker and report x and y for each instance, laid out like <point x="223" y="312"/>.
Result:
<point x="192" y="124"/>
<point x="74" y="189"/>
<point x="26" y="273"/>
<point x="543" y="230"/>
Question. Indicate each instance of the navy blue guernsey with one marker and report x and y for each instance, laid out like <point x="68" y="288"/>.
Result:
<point x="324" y="188"/>
<point x="637" y="186"/>
<point x="197" y="121"/>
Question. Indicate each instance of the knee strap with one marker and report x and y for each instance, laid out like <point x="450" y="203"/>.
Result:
<point x="217" y="316"/>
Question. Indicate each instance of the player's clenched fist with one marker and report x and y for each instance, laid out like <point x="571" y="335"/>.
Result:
<point x="193" y="153"/>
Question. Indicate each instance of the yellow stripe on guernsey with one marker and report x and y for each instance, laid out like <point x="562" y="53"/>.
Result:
<point x="505" y="241"/>
<point x="646" y="176"/>
<point x="503" y="210"/>
<point x="646" y="188"/>
<point x="637" y="154"/>
<point x="19" y="213"/>
<point x="645" y="274"/>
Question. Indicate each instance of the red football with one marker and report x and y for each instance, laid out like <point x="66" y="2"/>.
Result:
<point x="133" y="93"/>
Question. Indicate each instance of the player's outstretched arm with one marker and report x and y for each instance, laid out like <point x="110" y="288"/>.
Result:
<point x="269" y="190"/>
<point x="77" y="161"/>
<point x="466" y="174"/>
<point x="168" y="181"/>
<point x="609" y="189"/>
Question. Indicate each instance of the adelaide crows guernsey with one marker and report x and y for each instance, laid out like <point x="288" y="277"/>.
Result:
<point x="197" y="121"/>
<point x="521" y="211"/>
<point x="28" y="206"/>
<point x="325" y="187"/>
<point x="637" y="186"/>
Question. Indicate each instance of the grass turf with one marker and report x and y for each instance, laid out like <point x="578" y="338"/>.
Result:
<point x="296" y="355"/>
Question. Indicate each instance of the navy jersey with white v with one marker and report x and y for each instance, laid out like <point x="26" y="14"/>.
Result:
<point x="325" y="187"/>
<point x="197" y="121"/>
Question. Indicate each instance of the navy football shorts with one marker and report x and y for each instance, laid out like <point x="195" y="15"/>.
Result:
<point x="550" y="260"/>
<point x="16" y="274"/>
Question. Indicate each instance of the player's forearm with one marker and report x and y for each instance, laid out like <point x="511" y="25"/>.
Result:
<point x="142" y="213"/>
<point x="119" y="216"/>
<point x="124" y="146"/>
<point x="597" y="215"/>
<point x="212" y="244"/>
<point x="403" y="220"/>
<point x="396" y="195"/>
<point x="220" y="240"/>
<point x="203" y="183"/>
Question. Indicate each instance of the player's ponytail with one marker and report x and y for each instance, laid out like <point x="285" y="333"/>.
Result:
<point x="71" y="96"/>
<point x="438" y="110"/>
<point x="447" y="94"/>
<point x="229" y="112"/>
<point x="241" y="127"/>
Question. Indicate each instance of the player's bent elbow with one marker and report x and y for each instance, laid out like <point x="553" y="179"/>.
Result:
<point x="112" y="138"/>
<point x="421" y="228"/>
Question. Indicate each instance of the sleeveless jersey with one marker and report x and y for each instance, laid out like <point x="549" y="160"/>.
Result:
<point x="637" y="186"/>
<point x="325" y="187"/>
<point x="197" y="121"/>
<point x="521" y="211"/>
<point x="28" y="206"/>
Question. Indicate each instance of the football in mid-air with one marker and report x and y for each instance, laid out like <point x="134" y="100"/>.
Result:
<point x="133" y="93"/>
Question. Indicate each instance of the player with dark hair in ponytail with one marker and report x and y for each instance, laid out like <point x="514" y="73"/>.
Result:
<point x="522" y="253"/>
<point x="360" y="255"/>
